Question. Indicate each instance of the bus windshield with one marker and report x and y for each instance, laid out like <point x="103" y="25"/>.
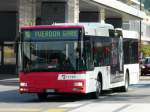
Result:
<point x="51" y="55"/>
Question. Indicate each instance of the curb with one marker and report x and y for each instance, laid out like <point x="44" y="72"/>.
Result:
<point x="144" y="77"/>
<point x="10" y="82"/>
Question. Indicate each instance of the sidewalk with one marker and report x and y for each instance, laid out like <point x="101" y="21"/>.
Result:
<point x="9" y="79"/>
<point x="145" y="77"/>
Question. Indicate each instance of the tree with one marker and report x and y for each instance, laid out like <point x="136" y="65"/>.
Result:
<point x="145" y="50"/>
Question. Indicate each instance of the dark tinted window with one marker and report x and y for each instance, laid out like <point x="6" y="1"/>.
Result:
<point x="102" y="51"/>
<point x="130" y="47"/>
<point x="147" y="61"/>
<point x="8" y="26"/>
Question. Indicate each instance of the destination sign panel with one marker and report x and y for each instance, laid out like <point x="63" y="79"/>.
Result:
<point x="51" y="34"/>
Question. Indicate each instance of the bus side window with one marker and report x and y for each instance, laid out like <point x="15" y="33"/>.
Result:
<point x="101" y="51"/>
<point x="106" y="55"/>
<point x="88" y="54"/>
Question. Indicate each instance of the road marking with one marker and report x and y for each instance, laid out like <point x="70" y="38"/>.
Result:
<point x="19" y="110"/>
<point x="113" y="107"/>
<point x="137" y="108"/>
<point x="56" y="110"/>
<point x="99" y="107"/>
<point x="122" y="108"/>
<point x="71" y="105"/>
<point x="31" y="110"/>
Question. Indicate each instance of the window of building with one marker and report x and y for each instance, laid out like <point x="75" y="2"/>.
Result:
<point x="9" y="53"/>
<point x="0" y="55"/>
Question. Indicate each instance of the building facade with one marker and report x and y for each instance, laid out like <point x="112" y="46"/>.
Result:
<point x="17" y="13"/>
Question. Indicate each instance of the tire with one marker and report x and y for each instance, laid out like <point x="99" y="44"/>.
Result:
<point x="126" y="86"/>
<point x="142" y="73"/>
<point x="42" y="96"/>
<point x="96" y="94"/>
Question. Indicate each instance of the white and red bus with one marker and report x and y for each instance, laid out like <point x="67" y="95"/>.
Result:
<point x="76" y="58"/>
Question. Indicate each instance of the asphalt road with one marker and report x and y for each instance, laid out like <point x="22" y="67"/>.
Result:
<point x="137" y="99"/>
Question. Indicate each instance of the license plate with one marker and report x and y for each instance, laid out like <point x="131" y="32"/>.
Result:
<point x="50" y="90"/>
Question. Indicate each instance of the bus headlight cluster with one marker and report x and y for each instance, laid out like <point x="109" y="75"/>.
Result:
<point x="78" y="84"/>
<point x="24" y="84"/>
<point x="143" y="67"/>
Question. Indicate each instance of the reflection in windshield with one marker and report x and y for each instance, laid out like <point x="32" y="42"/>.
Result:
<point x="58" y="56"/>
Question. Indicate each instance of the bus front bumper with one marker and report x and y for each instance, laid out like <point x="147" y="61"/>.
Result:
<point x="71" y="87"/>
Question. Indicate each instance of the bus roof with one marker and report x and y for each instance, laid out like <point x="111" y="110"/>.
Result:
<point x="96" y="29"/>
<point x="90" y="24"/>
<point x="129" y="34"/>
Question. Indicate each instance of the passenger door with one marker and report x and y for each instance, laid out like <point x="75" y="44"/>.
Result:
<point x="116" y="60"/>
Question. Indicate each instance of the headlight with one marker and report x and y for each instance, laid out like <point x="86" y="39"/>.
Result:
<point x="143" y="67"/>
<point x="23" y="84"/>
<point x="78" y="84"/>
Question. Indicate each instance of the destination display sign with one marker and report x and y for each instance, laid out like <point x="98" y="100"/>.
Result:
<point x="51" y="34"/>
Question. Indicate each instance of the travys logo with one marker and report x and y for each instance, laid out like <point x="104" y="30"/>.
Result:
<point x="71" y="76"/>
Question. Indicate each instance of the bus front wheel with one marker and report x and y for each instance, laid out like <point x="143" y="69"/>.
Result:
<point x="98" y="91"/>
<point x="126" y="86"/>
<point x="42" y="96"/>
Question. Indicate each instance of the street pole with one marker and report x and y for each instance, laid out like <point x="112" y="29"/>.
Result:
<point x="140" y="43"/>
